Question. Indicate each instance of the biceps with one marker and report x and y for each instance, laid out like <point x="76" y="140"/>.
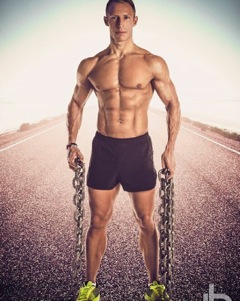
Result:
<point x="81" y="94"/>
<point x="166" y="91"/>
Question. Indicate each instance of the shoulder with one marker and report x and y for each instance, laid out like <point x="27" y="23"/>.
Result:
<point x="87" y="64"/>
<point x="149" y="57"/>
<point x="156" y="63"/>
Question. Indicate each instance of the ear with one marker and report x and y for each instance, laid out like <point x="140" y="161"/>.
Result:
<point x="135" y="20"/>
<point x="106" y="21"/>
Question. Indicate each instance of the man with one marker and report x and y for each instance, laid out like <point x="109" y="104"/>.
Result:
<point x="123" y="77"/>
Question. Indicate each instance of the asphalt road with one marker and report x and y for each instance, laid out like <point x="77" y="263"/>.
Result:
<point x="37" y="240"/>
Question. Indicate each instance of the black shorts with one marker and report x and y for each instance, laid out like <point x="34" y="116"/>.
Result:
<point x="128" y="161"/>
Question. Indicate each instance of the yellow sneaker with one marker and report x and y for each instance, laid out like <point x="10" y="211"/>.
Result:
<point x="156" y="292"/>
<point x="88" y="292"/>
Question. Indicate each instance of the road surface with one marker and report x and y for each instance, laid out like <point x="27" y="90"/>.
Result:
<point x="37" y="217"/>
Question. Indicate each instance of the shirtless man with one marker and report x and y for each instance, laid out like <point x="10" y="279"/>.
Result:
<point x="123" y="78"/>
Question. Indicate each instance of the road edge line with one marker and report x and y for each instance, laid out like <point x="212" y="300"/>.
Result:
<point x="213" y="141"/>
<point x="31" y="137"/>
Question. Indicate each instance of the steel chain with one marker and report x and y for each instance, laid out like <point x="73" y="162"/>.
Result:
<point x="166" y="229"/>
<point x="165" y="225"/>
<point x="78" y="200"/>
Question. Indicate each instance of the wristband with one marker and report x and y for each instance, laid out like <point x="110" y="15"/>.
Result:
<point x="70" y="145"/>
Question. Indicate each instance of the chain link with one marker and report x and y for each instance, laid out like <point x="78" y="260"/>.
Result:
<point x="78" y="200"/>
<point x="166" y="229"/>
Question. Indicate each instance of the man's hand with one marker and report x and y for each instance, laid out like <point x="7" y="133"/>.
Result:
<point x="73" y="153"/>
<point x="168" y="161"/>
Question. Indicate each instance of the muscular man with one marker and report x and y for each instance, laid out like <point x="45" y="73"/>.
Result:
<point x="123" y="78"/>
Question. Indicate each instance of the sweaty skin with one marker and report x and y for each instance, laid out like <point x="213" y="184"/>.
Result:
<point x="123" y="78"/>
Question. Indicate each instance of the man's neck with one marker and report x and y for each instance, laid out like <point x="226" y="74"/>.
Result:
<point x="121" y="48"/>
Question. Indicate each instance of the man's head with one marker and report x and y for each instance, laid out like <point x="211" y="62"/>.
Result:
<point x="130" y="2"/>
<point x="121" y="18"/>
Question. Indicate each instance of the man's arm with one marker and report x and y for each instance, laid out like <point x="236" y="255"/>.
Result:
<point x="81" y="93"/>
<point x="166" y="91"/>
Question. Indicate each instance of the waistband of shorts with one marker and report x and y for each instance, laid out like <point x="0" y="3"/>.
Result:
<point x="121" y="140"/>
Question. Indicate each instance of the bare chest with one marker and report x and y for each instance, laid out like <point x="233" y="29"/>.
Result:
<point x="112" y="73"/>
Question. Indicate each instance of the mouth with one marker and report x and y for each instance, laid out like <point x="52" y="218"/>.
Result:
<point x="120" y="32"/>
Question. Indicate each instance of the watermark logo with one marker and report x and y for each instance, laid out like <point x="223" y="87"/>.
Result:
<point x="212" y="296"/>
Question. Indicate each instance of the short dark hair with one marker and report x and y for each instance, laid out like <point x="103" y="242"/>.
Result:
<point x="130" y="2"/>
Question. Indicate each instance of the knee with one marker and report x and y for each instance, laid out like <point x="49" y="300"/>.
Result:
<point x="146" y="222"/>
<point x="99" y="221"/>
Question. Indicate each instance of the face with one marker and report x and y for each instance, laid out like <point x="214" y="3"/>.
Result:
<point x="120" y="19"/>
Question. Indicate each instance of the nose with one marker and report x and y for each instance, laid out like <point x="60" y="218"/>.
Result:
<point x="119" y="22"/>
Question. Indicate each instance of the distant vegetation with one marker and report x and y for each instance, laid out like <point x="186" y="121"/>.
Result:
<point x="29" y="126"/>
<point x="206" y="127"/>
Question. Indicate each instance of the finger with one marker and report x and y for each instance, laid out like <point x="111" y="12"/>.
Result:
<point x="71" y="163"/>
<point x="172" y="171"/>
<point x="71" y="158"/>
<point x="163" y="162"/>
<point x="80" y="156"/>
<point x="72" y="155"/>
<point x="72" y="166"/>
<point x="77" y="154"/>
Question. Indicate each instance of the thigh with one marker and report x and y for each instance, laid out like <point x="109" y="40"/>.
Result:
<point x="143" y="204"/>
<point x="101" y="203"/>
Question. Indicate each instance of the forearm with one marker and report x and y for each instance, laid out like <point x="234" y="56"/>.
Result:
<point x="74" y="120"/>
<point x="173" y="123"/>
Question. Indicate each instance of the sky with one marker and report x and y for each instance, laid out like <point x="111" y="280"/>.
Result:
<point x="42" y="43"/>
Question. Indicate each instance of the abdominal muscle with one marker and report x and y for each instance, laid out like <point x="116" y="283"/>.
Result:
<point x="123" y="114"/>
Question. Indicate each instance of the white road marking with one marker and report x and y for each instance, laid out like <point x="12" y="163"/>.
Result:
<point x="211" y="140"/>
<point x="31" y="137"/>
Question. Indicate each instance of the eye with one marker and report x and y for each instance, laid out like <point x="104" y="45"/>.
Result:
<point x="126" y="17"/>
